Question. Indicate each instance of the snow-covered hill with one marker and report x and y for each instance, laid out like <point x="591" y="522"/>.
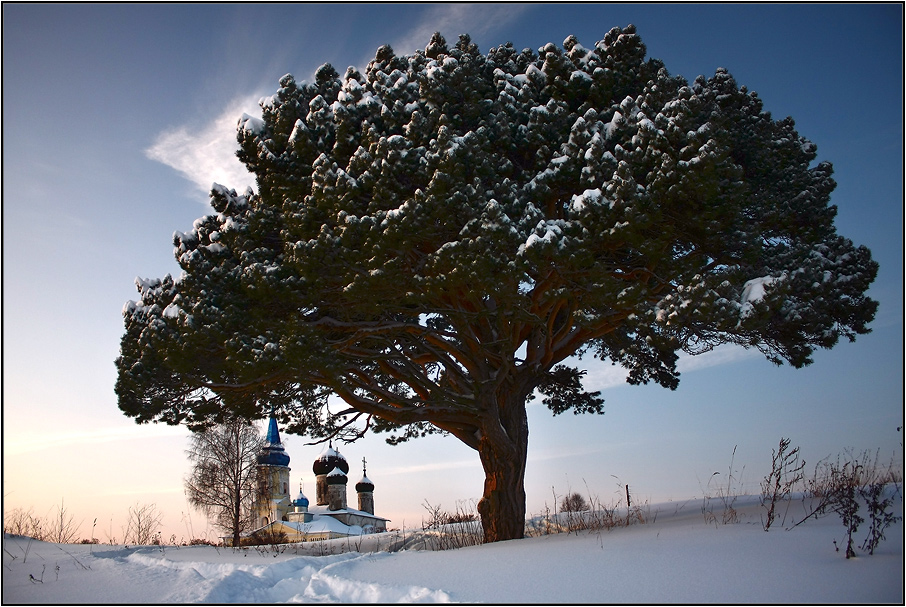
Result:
<point x="676" y="557"/>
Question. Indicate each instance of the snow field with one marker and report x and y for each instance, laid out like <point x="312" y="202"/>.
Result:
<point x="676" y="558"/>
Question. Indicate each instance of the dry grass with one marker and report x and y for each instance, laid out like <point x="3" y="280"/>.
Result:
<point x="595" y="517"/>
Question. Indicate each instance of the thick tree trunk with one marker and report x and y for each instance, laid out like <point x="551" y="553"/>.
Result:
<point x="503" y="448"/>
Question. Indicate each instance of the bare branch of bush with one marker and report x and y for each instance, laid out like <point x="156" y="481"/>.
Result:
<point x="272" y="537"/>
<point x="726" y="495"/>
<point x="143" y="524"/>
<point x="835" y="487"/>
<point x="448" y="531"/>
<point x="17" y="521"/>
<point x="786" y="473"/>
<point x="879" y="511"/>
<point x="595" y="516"/>
<point x="62" y="529"/>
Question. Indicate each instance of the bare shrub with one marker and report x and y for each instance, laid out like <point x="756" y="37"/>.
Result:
<point x="726" y="496"/>
<point x="786" y="473"/>
<point x="596" y="516"/>
<point x="879" y="513"/>
<point x="541" y="524"/>
<point x="40" y="528"/>
<point x="269" y="536"/>
<point x="62" y="529"/>
<point x="844" y="504"/>
<point x="18" y="522"/>
<point x="835" y="487"/>
<point x="143" y="524"/>
<point x="460" y="516"/>
<point x="446" y="531"/>
<point x="25" y="523"/>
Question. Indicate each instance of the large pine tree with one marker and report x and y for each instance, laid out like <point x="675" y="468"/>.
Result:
<point x="432" y="239"/>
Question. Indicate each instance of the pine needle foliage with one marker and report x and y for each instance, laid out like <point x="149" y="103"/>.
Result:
<point x="434" y="240"/>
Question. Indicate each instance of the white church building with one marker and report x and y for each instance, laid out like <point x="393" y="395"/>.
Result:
<point x="331" y="517"/>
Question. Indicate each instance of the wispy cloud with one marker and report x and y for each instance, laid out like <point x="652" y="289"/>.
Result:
<point x="567" y="451"/>
<point x="721" y="355"/>
<point x="602" y="375"/>
<point x="74" y="438"/>
<point x="451" y="20"/>
<point x="206" y="153"/>
<point x="144" y="490"/>
<point x="433" y="467"/>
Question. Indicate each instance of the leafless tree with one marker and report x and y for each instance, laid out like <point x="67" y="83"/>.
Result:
<point x="222" y="483"/>
<point x="574" y="502"/>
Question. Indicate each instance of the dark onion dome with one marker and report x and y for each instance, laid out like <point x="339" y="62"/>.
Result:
<point x="328" y="460"/>
<point x="273" y="453"/>
<point x="336" y="477"/>
<point x="365" y="485"/>
<point x="301" y="500"/>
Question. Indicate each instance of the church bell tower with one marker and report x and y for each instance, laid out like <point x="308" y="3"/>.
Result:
<point x="273" y="499"/>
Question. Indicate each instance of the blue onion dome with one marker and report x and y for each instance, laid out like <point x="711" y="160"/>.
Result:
<point x="273" y="453"/>
<point x="329" y="459"/>
<point x="365" y="485"/>
<point x="301" y="500"/>
<point x="336" y="477"/>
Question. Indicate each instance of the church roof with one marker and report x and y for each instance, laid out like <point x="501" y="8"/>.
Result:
<point x="336" y="477"/>
<point x="273" y="453"/>
<point x="273" y="434"/>
<point x="329" y="459"/>
<point x="364" y="485"/>
<point x="325" y="511"/>
<point x="321" y="525"/>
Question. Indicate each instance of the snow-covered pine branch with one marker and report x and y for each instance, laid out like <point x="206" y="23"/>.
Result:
<point x="434" y="236"/>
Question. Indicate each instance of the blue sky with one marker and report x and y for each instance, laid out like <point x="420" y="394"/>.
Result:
<point x="117" y="119"/>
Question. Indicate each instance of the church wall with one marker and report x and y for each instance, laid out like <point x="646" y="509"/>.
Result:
<point x="366" y="502"/>
<point x="273" y="487"/>
<point x="365" y="521"/>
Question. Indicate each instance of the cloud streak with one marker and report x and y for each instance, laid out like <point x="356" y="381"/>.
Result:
<point x="206" y="154"/>
<point x="454" y="19"/>
<point x="721" y="355"/>
<point x="91" y="437"/>
<point x="477" y="20"/>
<point x="433" y="467"/>
<point x="602" y="375"/>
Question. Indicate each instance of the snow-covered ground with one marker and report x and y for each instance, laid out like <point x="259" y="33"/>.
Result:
<point x="675" y="557"/>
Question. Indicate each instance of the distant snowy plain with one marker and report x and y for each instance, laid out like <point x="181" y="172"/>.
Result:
<point x="677" y="556"/>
